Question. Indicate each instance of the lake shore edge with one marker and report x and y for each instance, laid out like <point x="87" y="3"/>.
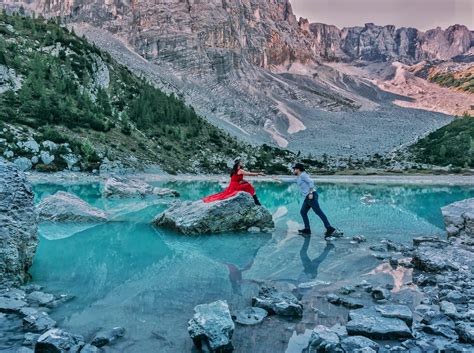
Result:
<point x="74" y="178"/>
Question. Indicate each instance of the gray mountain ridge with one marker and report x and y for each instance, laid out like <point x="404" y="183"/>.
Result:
<point x="252" y="68"/>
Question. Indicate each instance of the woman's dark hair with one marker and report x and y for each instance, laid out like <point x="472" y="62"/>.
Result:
<point x="235" y="168"/>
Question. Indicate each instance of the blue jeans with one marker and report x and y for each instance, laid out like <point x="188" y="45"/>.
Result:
<point x="314" y="204"/>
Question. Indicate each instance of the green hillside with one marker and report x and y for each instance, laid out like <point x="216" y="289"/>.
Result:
<point x="452" y="144"/>
<point x="55" y="86"/>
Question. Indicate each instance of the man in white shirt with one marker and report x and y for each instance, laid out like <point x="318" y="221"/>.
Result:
<point x="310" y="195"/>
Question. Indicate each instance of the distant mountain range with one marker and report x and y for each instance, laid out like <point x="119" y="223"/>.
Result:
<point x="253" y="68"/>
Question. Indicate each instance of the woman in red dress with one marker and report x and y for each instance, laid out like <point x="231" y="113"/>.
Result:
<point x="237" y="184"/>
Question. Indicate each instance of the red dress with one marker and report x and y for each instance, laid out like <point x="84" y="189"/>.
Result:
<point x="237" y="184"/>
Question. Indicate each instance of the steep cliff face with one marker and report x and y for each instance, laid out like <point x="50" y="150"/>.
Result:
<point x="387" y="43"/>
<point x="207" y="35"/>
<point x="18" y="225"/>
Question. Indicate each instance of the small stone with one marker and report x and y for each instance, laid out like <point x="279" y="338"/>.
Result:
<point x="351" y="303"/>
<point x="346" y="290"/>
<point x="333" y="299"/>
<point x="278" y="302"/>
<point x="105" y="337"/>
<point x="251" y="316"/>
<point x="380" y="293"/>
<point x="359" y="239"/>
<point x="449" y="309"/>
<point x="254" y="230"/>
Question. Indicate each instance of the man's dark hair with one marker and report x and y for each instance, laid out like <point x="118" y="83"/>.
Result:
<point x="299" y="166"/>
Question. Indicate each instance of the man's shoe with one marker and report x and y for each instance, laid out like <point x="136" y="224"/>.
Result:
<point x="330" y="231"/>
<point x="305" y="231"/>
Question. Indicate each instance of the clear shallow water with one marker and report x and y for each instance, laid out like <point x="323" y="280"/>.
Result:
<point x="128" y="273"/>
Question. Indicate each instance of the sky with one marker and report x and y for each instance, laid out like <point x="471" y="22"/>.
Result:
<point x="421" y="14"/>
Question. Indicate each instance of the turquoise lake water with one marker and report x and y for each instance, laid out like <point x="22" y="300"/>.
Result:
<point x="148" y="280"/>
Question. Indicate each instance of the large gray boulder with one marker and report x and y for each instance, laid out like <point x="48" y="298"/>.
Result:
<point x="238" y="213"/>
<point x="212" y="327"/>
<point x="121" y="187"/>
<point x="459" y="218"/>
<point x="66" y="207"/>
<point x="18" y="225"/>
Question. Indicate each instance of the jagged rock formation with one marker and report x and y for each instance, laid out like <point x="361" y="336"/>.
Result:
<point x="18" y="225"/>
<point x="252" y="68"/>
<point x="237" y="213"/>
<point x="459" y="218"/>
<point x="388" y="43"/>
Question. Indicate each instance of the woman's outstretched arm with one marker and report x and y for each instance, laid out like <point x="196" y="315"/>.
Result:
<point x="247" y="173"/>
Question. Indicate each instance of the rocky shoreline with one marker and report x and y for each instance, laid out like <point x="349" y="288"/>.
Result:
<point x="379" y="319"/>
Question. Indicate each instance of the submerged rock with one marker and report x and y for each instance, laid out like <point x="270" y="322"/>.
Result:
<point x="212" y="327"/>
<point x="105" y="337"/>
<point x="250" y="316"/>
<point x="38" y="322"/>
<point x="238" y="213"/>
<point x="59" y="341"/>
<point x="66" y="207"/>
<point x="278" y="302"/>
<point x="128" y="187"/>
<point x="18" y="225"/>
<point x="459" y="218"/>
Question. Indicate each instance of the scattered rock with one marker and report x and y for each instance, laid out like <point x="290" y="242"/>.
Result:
<point x="212" y="327"/>
<point x="340" y="330"/>
<point x="323" y="340"/>
<point x="359" y="239"/>
<point x="352" y="343"/>
<point x="333" y="299"/>
<point x="250" y="316"/>
<point x="369" y="323"/>
<point x="351" y="303"/>
<point x="127" y="187"/>
<point x="40" y="298"/>
<point x="277" y="302"/>
<point x="380" y="293"/>
<point x="89" y="348"/>
<point x="66" y="207"/>
<point x="103" y="338"/>
<point x="46" y="158"/>
<point x="346" y="290"/>
<point x="38" y="322"/>
<point x="11" y="305"/>
<point x="18" y="225"/>
<point x="459" y="218"/>
<point x="465" y="331"/>
<point x="30" y="339"/>
<point x="234" y="214"/>
<point x="402" y="312"/>
<point x="59" y="341"/>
